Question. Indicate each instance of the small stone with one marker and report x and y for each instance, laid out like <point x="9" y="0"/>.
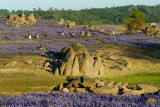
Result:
<point x="151" y="100"/>
<point x="65" y="90"/>
<point x="28" y="61"/>
<point x="60" y="87"/>
<point x="56" y="72"/>
<point x="109" y="83"/>
<point x="80" y="90"/>
<point x="71" y="89"/>
<point x="47" y="64"/>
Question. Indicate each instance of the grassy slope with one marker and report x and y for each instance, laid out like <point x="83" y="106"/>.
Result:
<point x="144" y="68"/>
<point x="22" y="81"/>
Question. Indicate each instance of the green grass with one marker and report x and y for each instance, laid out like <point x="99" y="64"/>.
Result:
<point x="28" y="81"/>
<point x="142" y="78"/>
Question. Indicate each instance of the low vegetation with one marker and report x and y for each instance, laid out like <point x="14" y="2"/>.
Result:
<point x="27" y="64"/>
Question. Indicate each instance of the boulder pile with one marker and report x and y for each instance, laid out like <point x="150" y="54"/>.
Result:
<point x="91" y="27"/>
<point x="90" y="84"/>
<point x="75" y="60"/>
<point x="67" y="23"/>
<point x="18" y="21"/>
<point x="152" y="29"/>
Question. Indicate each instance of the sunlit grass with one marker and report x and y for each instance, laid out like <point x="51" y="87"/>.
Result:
<point x="23" y="81"/>
<point x="142" y="78"/>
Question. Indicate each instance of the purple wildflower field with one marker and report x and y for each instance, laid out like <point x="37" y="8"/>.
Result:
<point x="78" y="100"/>
<point x="48" y="30"/>
<point x="15" y="41"/>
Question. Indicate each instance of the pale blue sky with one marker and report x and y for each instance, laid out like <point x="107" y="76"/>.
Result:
<point x="69" y="4"/>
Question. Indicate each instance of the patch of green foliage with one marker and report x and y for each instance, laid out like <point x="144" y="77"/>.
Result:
<point x="23" y="81"/>
<point x="135" y="22"/>
<point x="142" y="78"/>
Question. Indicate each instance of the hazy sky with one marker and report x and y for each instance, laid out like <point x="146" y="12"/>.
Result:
<point x="70" y="4"/>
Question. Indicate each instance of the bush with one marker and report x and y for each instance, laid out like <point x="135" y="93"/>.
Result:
<point x="135" y="22"/>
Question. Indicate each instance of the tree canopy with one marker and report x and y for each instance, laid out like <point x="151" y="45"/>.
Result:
<point x="95" y="16"/>
<point x="135" y="22"/>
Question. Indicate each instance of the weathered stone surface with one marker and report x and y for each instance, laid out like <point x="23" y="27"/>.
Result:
<point x="80" y="90"/>
<point x="124" y="87"/>
<point x="76" y="61"/>
<point x="69" y="63"/>
<point x="134" y="92"/>
<point x="117" y="84"/>
<point x="87" y="66"/>
<point x="147" y="88"/>
<point x="109" y="83"/>
<point x="99" y="83"/>
<point x="56" y="72"/>
<point x="65" y="90"/>
<point x="60" y="87"/>
<point x="61" y="21"/>
<point x="62" y="68"/>
<point x="67" y="23"/>
<point x="152" y="29"/>
<point x="18" y="21"/>
<point x="87" y="85"/>
<point x="105" y="90"/>
<point x="71" y="89"/>
<point x="47" y="64"/>
<point x="74" y="83"/>
<point x="75" y="68"/>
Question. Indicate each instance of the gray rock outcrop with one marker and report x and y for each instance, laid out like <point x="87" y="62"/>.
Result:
<point x="76" y="61"/>
<point x="79" y="84"/>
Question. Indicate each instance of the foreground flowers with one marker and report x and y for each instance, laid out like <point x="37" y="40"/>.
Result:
<point x="79" y="100"/>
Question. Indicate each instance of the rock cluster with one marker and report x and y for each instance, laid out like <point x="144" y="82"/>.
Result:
<point x="67" y="23"/>
<point x="88" y="84"/>
<point x="152" y="29"/>
<point x="76" y="61"/>
<point x="18" y="21"/>
<point x="91" y="27"/>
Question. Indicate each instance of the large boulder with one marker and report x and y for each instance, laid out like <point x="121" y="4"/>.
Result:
<point x="67" y="23"/>
<point x="152" y="29"/>
<point x="61" y="21"/>
<point x="134" y="92"/>
<point x="146" y="88"/>
<point x="18" y="21"/>
<point x="76" y="61"/>
<point x="105" y="90"/>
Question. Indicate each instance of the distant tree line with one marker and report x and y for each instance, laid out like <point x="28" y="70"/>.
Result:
<point x="93" y="16"/>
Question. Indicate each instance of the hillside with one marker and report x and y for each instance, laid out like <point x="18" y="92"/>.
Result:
<point x="23" y="61"/>
<point x="93" y="16"/>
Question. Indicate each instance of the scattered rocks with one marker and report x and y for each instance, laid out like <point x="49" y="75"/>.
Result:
<point x="65" y="90"/>
<point x="18" y="21"/>
<point x="134" y="92"/>
<point x="78" y="84"/>
<point x="146" y="88"/>
<point x="152" y="29"/>
<point x="67" y="23"/>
